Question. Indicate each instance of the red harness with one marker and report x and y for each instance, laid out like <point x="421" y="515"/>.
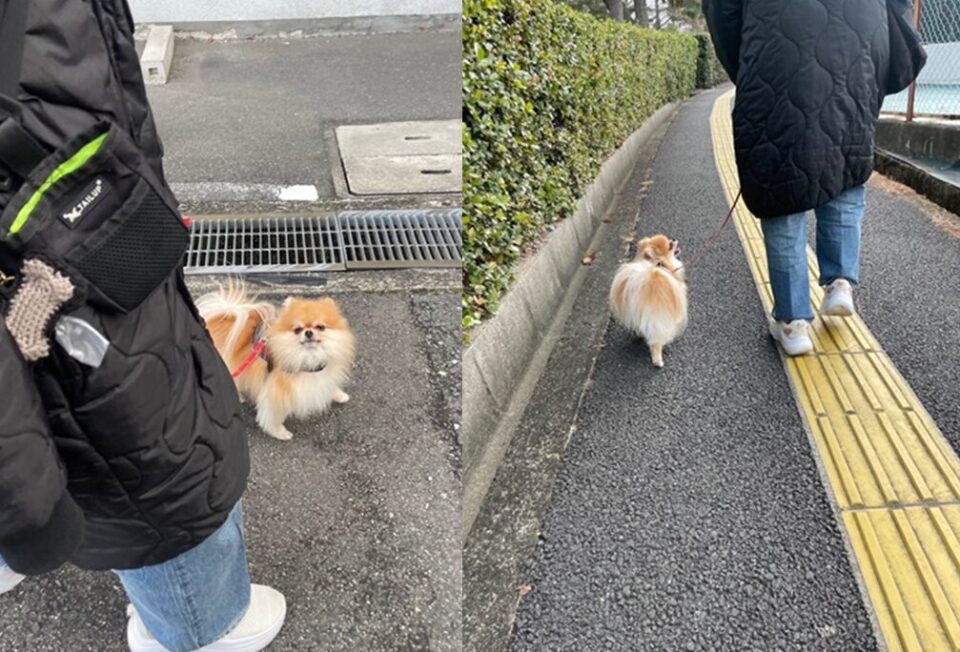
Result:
<point x="258" y="350"/>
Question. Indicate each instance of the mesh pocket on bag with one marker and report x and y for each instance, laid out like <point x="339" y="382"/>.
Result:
<point x="139" y="255"/>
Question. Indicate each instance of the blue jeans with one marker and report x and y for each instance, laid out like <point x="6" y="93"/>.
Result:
<point x="838" y="252"/>
<point x="197" y="597"/>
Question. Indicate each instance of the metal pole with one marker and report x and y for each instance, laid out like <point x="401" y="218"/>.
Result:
<point x="912" y="92"/>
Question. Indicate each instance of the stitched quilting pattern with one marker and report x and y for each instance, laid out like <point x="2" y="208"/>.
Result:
<point x="808" y="97"/>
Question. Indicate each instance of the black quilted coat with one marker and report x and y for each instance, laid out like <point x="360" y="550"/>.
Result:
<point x="811" y="76"/>
<point x="139" y="459"/>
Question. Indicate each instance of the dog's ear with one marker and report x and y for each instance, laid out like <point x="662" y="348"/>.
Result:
<point x="643" y="249"/>
<point x="647" y="251"/>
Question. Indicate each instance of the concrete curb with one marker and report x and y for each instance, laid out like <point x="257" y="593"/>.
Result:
<point x="314" y="27"/>
<point x="937" y="189"/>
<point x="918" y="154"/>
<point x="508" y="353"/>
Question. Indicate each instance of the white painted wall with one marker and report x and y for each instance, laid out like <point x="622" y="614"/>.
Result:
<point x="186" y="11"/>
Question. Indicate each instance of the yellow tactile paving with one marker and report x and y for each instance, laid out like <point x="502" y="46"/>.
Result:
<point x="895" y="479"/>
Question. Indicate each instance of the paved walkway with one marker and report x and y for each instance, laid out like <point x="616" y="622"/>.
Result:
<point x="239" y="117"/>
<point x="735" y="502"/>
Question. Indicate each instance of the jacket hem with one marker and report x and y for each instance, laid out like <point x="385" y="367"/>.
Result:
<point x="49" y="546"/>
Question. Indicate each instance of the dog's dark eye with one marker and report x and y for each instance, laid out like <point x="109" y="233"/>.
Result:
<point x="321" y="327"/>
<point x="297" y="330"/>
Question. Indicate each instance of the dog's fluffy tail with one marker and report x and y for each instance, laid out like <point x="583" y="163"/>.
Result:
<point x="233" y="302"/>
<point x="647" y="301"/>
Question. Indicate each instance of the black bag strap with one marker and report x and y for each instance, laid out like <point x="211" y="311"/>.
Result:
<point x="13" y="24"/>
<point x="19" y="151"/>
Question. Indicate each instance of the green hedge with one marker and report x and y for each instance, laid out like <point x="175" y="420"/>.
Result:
<point x="548" y="93"/>
<point x="709" y="71"/>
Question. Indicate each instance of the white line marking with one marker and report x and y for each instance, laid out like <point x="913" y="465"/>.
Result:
<point x="299" y="193"/>
<point x="244" y="192"/>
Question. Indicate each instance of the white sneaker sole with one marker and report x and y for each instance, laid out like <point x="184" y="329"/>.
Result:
<point x="9" y="580"/>
<point x="792" y="349"/>
<point x="837" y="310"/>
<point x="837" y="303"/>
<point x="249" y="644"/>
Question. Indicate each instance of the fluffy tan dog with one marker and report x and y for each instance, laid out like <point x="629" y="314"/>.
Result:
<point x="649" y="295"/>
<point x="306" y="359"/>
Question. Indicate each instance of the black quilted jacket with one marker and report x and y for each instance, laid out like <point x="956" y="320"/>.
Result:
<point x="139" y="459"/>
<point x="810" y="78"/>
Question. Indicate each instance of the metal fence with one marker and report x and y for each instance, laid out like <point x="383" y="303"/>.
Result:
<point x="937" y="90"/>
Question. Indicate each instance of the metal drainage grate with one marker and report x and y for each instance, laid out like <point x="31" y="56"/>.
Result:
<point x="411" y="238"/>
<point x="352" y="240"/>
<point x="274" y="244"/>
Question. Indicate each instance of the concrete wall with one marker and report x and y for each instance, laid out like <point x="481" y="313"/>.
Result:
<point x="191" y="11"/>
<point x="922" y="138"/>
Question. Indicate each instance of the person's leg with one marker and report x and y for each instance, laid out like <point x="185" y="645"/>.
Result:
<point x="785" y="239"/>
<point x="838" y="236"/>
<point x="198" y="597"/>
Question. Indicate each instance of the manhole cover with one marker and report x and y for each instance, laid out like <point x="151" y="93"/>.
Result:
<point x="402" y="157"/>
<point x="390" y="175"/>
<point x="351" y="240"/>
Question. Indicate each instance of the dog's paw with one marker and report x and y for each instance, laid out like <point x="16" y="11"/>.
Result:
<point x="281" y="433"/>
<point x="656" y="355"/>
<point x="341" y="397"/>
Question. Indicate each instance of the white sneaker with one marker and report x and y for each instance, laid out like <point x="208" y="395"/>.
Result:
<point x="793" y="337"/>
<point x="9" y="579"/>
<point x="255" y="631"/>
<point x="837" y="299"/>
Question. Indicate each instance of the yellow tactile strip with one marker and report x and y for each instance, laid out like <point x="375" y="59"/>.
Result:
<point x="893" y="476"/>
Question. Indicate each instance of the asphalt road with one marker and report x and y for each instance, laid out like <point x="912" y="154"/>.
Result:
<point x="354" y="520"/>
<point x="689" y="513"/>
<point x="264" y="111"/>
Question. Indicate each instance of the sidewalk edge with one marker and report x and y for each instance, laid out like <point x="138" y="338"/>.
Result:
<point x="939" y="191"/>
<point x="293" y="28"/>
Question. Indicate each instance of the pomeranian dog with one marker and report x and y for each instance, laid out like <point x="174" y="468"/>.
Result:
<point x="304" y="363"/>
<point x="649" y="294"/>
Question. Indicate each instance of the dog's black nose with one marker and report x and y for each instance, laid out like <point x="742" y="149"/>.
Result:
<point x="308" y="335"/>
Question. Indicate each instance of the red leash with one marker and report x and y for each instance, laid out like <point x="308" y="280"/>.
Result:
<point x="716" y="234"/>
<point x="257" y="350"/>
